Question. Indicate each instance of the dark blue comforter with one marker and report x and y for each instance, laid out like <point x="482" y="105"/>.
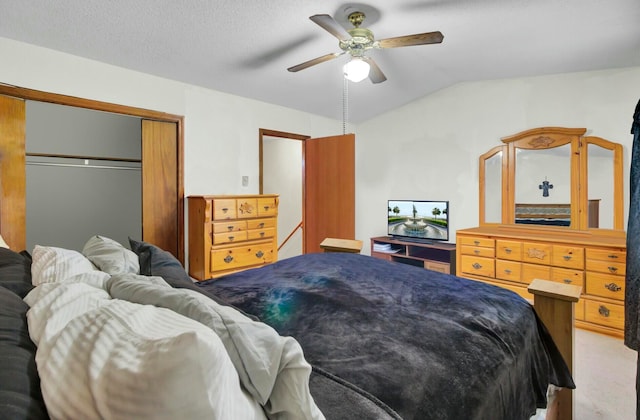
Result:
<point x="427" y="345"/>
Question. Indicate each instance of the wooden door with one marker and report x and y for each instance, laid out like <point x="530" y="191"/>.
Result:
<point x="12" y="172"/>
<point x="329" y="179"/>
<point x="161" y="194"/>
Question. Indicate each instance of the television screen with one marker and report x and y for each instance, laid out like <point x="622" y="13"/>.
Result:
<point x="419" y="219"/>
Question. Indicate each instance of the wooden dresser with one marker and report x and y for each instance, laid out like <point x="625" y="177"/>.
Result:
<point x="513" y="257"/>
<point x="230" y="233"/>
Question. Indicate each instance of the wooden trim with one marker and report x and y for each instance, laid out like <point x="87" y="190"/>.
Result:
<point x="56" y="98"/>
<point x="12" y="173"/>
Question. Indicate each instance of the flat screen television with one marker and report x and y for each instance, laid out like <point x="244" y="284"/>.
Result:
<point x="418" y="220"/>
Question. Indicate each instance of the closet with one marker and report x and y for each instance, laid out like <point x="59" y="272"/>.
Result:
<point x="160" y="161"/>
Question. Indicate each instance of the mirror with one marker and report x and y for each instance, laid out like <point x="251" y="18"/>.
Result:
<point x="492" y="197"/>
<point x="600" y="182"/>
<point x="543" y="186"/>
<point x="553" y="177"/>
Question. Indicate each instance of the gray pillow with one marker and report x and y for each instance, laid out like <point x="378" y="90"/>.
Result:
<point x="110" y="256"/>
<point x="15" y="271"/>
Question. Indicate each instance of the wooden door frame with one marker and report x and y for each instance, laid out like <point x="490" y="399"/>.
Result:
<point x="263" y="132"/>
<point x="54" y="98"/>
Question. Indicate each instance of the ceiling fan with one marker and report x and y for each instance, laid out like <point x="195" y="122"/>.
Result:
<point x="357" y="41"/>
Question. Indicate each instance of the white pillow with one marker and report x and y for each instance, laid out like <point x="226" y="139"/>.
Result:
<point x="131" y="361"/>
<point x="52" y="264"/>
<point x="110" y="256"/>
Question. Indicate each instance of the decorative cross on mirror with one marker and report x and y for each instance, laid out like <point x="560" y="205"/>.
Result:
<point x="545" y="187"/>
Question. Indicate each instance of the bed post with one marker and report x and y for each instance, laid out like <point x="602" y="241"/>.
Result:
<point x="554" y="304"/>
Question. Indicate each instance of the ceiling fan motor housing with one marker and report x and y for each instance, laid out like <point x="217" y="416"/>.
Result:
<point x="361" y="40"/>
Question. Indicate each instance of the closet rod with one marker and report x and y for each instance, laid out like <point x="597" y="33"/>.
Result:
<point x="74" y="165"/>
<point x="56" y="155"/>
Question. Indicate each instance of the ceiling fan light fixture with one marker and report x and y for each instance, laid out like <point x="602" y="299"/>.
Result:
<point x="356" y="70"/>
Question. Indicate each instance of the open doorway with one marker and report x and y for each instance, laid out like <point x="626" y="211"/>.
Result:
<point x="281" y="172"/>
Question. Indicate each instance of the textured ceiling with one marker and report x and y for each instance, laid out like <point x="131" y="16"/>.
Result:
<point x="244" y="47"/>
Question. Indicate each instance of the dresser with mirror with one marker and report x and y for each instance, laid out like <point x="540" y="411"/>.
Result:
<point x="551" y="206"/>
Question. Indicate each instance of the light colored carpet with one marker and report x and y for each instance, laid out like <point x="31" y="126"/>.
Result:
<point x="605" y="377"/>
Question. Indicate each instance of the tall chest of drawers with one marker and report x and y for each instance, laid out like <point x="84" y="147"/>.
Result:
<point x="230" y="233"/>
<point x="513" y="258"/>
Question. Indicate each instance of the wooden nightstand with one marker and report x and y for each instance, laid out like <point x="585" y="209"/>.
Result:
<point x="341" y="245"/>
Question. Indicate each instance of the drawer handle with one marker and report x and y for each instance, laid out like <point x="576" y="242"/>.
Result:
<point x="614" y="256"/>
<point x="566" y="257"/>
<point x="260" y="225"/>
<point x="613" y="287"/>
<point x="228" y="259"/>
<point x="476" y="266"/>
<point x="476" y="242"/>
<point x="259" y="254"/>
<point x="567" y="281"/>
<point x="231" y="237"/>
<point x="230" y="228"/>
<point x="476" y="251"/>
<point x="612" y="269"/>
<point x="507" y="271"/>
<point x="602" y="310"/>
<point x="266" y="208"/>
<point x="507" y="250"/>
<point x="225" y="209"/>
<point x="262" y="234"/>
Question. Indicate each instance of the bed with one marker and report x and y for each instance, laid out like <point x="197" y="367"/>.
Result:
<point x="115" y="332"/>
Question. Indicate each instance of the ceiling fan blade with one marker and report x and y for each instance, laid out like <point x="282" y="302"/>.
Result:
<point x="330" y="25"/>
<point x="314" y="61"/>
<point x="375" y="74"/>
<point x="408" y="40"/>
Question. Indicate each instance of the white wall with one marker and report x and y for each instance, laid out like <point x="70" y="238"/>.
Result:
<point x="221" y="130"/>
<point x="429" y="149"/>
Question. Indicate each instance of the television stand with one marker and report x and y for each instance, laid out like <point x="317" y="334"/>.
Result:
<point x="435" y="256"/>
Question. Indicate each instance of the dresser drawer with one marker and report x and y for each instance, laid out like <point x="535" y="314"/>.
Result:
<point x="605" y="285"/>
<point x="477" y="251"/>
<point x="229" y="237"/>
<point x="607" y="314"/>
<point x="230" y="226"/>
<point x="476" y="241"/>
<point x="261" y="223"/>
<point x="618" y="256"/>
<point x="261" y="233"/>
<point x="535" y="271"/>
<point x="567" y="256"/>
<point x="478" y="266"/>
<point x="607" y="267"/>
<point x="241" y="256"/>
<point x="567" y="276"/>
<point x="247" y="207"/>
<point x="267" y="207"/>
<point x="536" y="253"/>
<point x="508" y="270"/>
<point x="509" y="250"/>
<point x="224" y="208"/>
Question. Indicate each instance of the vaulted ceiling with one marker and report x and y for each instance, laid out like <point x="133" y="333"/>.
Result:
<point x="244" y="47"/>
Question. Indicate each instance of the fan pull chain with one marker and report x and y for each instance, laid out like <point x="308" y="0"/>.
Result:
<point x="345" y="104"/>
